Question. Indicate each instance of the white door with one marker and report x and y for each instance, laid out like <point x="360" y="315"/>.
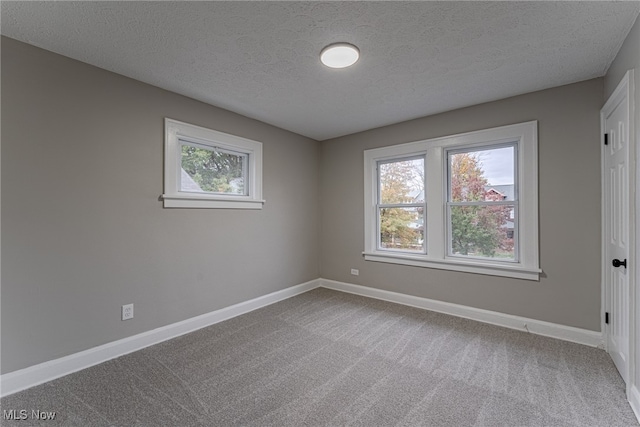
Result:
<point x="615" y="127"/>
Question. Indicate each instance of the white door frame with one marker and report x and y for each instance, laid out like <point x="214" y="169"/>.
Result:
<point x="625" y="85"/>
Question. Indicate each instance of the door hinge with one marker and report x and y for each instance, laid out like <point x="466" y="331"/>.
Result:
<point x="606" y="318"/>
<point x="606" y="139"/>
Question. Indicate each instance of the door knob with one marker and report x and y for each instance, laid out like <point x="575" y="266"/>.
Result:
<point x="618" y="263"/>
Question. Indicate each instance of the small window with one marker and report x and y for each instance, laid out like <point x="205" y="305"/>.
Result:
<point x="205" y="168"/>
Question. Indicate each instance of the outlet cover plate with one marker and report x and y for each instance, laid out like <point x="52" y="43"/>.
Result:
<point x="127" y="312"/>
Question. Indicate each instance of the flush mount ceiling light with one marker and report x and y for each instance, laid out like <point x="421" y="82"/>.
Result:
<point x="339" y="55"/>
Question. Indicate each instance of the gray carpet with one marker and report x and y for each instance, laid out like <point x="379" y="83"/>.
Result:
<point x="327" y="358"/>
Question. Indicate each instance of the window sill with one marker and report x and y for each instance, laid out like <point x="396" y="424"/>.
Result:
<point x="487" y="268"/>
<point x="204" y="202"/>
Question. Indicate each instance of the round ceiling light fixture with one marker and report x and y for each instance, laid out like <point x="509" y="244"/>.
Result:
<point x="339" y="55"/>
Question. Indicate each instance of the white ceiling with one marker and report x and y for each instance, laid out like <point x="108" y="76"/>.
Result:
<point x="261" y="59"/>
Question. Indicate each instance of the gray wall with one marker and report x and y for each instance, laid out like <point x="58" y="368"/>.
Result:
<point x="569" y="203"/>
<point x="629" y="57"/>
<point x="83" y="231"/>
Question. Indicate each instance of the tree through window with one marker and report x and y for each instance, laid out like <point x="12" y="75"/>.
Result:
<point x="481" y="202"/>
<point x="401" y="204"/>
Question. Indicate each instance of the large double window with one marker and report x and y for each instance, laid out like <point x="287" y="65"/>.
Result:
<point x="464" y="202"/>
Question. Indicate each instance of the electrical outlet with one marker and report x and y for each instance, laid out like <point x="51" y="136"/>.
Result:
<point x="355" y="272"/>
<point x="127" y="312"/>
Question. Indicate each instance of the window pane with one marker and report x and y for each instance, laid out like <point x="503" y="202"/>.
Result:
<point x="485" y="175"/>
<point x="402" y="228"/>
<point x="209" y="170"/>
<point x="402" y="181"/>
<point x="483" y="231"/>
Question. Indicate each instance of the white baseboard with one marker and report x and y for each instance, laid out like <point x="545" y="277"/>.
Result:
<point x="539" y="327"/>
<point x="634" y="400"/>
<point x="22" y="379"/>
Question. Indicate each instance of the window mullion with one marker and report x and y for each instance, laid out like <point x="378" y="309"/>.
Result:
<point x="434" y="198"/>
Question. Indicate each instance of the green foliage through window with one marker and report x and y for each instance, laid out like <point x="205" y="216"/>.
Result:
<point x="214" y="171"/>
<point x="402" y="183"/>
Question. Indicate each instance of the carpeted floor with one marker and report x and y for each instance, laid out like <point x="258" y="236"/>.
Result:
<point x="327" y="358"/>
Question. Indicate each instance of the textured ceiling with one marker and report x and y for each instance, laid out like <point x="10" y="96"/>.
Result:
<point x="260" y="59"/>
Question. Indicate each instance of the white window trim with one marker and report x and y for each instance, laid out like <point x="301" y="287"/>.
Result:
<point x="525" y="135"/>
<point x="174" y="198"/>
